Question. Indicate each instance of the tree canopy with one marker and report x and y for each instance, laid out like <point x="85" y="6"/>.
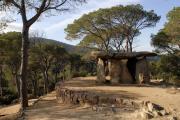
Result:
<point x="167" y="43"/>
<point x="10" y="46"/>
<point x="112" y="28"/>
<point x="168" y="38"/>
<point x="30" y="11"/>
<point x="46" y="63"/>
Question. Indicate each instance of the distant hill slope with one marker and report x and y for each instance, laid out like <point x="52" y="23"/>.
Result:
<point x="154" y="58"/>
<point x="68" y="47"/>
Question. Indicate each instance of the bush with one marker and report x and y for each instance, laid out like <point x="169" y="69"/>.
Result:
<point x="80" y="74"/>
<point x="8" y="97"/>
<point x="174" y="80"/>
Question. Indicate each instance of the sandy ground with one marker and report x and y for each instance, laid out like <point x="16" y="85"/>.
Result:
<point x="167" y="97"/>
<point x="47" y="108"/>
<point x="11" y="112"/>
<point x="12" y="109"/>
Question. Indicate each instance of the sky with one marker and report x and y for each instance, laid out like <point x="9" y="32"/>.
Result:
<point x="53" y="27"/>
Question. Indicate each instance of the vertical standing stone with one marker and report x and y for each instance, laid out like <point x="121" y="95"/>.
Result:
<point x="115" y="71"/>
<point x="109" y="68"/>
<point x="142" y="71"/>
<point x="119" y="72"/>
<point x="101" y="71"/>
<point x="125" y="75"/>
<point x="146" y="77"/>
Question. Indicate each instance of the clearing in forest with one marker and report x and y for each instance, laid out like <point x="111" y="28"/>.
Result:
<point x="48" y="108"/>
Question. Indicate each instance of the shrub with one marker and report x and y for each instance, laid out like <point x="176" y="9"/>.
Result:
<point x="80" y="74"/>
<point x="8" y="97"/>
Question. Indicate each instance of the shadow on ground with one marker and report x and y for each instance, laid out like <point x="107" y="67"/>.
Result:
<point x="50" y="109"/>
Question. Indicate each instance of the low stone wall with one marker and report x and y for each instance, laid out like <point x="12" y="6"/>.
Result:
<point x="140" y="109"/>
<point x="65" y="95"/>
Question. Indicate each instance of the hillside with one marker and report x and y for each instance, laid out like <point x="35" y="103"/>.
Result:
<point x="75" y="49"/>
<point x="68" y="47"/>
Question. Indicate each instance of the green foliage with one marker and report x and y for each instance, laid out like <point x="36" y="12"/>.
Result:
<point x="44" y="57"/>
<point x="167" y="68"/>
<point x="157" y="41"/>
<point x="30" y="11"/>
<point x="168" y="39"/>
<point x="3" y="23"/>
<point x="8" y="97"/>
<point x="172" y="27"/>
<point x="10" y="57"/>
<point x="46" y="60"/>
<point x="80" y="74"/>
<point x="66" y="74"/>
<point x="80" y="67"/>
<point x="11" y="45"/>
<point x="170" y="64"/>
<point x="167" y="43"/>
<point x="109" y="28"/>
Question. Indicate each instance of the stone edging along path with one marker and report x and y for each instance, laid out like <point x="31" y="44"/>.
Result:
<point x="141" y="109"/>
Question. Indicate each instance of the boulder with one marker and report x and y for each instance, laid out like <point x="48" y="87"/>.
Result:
<point x="146" y="115"/>
<point x="150" y="110"/>
<point x="173" y="118"/>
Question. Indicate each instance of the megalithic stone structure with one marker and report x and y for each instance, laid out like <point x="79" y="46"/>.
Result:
<point x="125" y="68"/>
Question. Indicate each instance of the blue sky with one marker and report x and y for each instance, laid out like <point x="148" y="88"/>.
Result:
<point x="53" y="26"/>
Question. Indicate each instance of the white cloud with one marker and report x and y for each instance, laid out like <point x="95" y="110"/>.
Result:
<point x="61" y="24"/>
<point x="56" y="29"/>
<point x="54" y="26"/>
<point x="69" y="17"/>
<point x="2" y="14"/>
<point x="90" y="6"/>
<point x="14" y="27"/>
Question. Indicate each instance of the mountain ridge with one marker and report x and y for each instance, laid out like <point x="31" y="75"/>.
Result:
<point x="68" y="47"/>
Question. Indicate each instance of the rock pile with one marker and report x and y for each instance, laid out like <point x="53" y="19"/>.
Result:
<point x="150" y="110"/>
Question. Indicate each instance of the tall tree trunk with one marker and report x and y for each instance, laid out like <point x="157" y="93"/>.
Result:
<point x="130" y="46"/>
<point x="45" y="86"/>
<point x="36" y="90"/>
<point x="106" y="47"/>
<point x="46" y="81"/>
<point x="1" y="91"/>
<point x="127" y="45"/>
<point x="56" y="75"/>
<point x="23" y="68"/>
<point x="64" y="75"/>
<point x="34" y="83"/>
<point x="17" y="84"/>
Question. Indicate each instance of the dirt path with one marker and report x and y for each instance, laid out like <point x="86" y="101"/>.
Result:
<point x="49" y="109"/>
<point x="12" y="109"/>
<point x="166" y="97"/>
<point x="157" y="95"/>
<point x="10" y="112"/>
